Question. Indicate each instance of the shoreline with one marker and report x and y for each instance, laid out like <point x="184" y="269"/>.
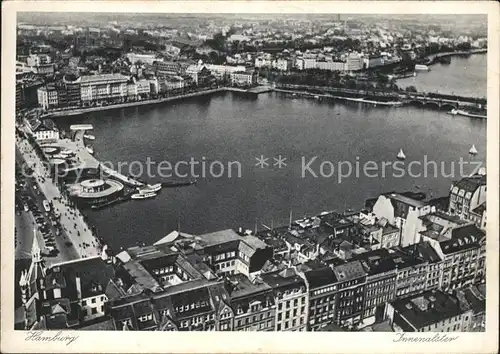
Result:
<point x="79" y="111"/>
<point x="431" y="59"/>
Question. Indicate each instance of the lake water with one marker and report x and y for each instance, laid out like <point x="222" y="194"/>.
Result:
<point x="229" y="127"/>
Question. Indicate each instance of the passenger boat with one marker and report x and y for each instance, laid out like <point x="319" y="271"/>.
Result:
<point x="89" y="136"/>
<point x="421" y="67"/>
<point x="150" y="188"/>
<point x="470" y="114"/>
<point x="143" y="195"/>
<point x="401" y="155"/>
<point x="473" y="150"/>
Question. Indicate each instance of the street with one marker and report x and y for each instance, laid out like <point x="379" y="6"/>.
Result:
<point x="74" y="228"/>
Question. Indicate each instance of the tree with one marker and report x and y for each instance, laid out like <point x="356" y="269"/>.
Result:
<point x="411" y="88"/>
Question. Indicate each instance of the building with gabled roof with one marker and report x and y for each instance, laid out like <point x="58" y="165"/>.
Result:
<point x="381" y="275"/>
<point x="467" y="194"/>
<point x="323" y="297"/>
<point x="252" y="302"/>
<point x="291" y="297"/>
<point x="404" y="213"/>
<point x="352" y="279"/>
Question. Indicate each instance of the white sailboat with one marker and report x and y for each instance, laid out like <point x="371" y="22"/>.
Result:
<point x="401" y="155"/>
<point x="473" y="150"/>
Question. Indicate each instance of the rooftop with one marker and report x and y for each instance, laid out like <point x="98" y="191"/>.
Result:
<point x="103" y="77"/>
<point x="461" y="238"/>
<point x="470" y="184"/>
<point x="406" y="200"/>
<point x="241" y="286"/>
<point x="427" y="308"/>
<point x="320" y="277"/>
<point x="349" y="271"/>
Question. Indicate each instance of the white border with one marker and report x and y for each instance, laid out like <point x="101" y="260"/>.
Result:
<point x="235" y="342"/>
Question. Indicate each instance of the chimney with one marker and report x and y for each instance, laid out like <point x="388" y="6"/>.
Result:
<point x="78" y="286"/>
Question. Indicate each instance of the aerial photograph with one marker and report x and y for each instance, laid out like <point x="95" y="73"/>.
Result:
<point x="241" y="172"/>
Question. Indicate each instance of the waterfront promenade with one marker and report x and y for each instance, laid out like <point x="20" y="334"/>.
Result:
<point x="387" y="98"/>
<point x="72" y="112"/>
<point x="71" y="219"/>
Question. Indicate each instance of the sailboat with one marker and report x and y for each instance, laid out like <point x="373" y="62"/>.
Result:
<point x="401" y="155"/>
<point x="473" y="150"/>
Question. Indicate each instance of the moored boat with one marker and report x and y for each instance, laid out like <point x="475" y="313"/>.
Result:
<point x="89" y="136"/>
<point x="143" y="195"/>
<point x="150" y="188"/>
<point x="90" y="150"/>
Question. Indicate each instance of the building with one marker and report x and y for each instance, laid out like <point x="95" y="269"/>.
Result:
<point x="431" y="311"/>
<point x="283" y="64"/>
<point x="354" y="62"/>
<point x="351" y="278"/>
<point x="199" y="73"/>
<point x="379" y="233"/>
<point x="323" y="292"/>
<point x="43" y="69"/>
<point x="169" y="68"/>
<point x="404" y="213"/>
<point x="68" y="295"/>
<point x="309" y="63"/>
<point x="291" y="299"/>
<point x="222" y="72"/>
<point x="73" y="94"/>
<point x="411" y="273"/>
<point x="244" y="78"/>
<point x="225" y="252"/>
<point x="466" y="195"/>
<point x="380" y="288"/>
<point x="170" y="83"/>
<point x="43" y="130"/>
<point x="252" y="303"/>
<point x="48" y="97"/>
<point x="38" y="59"/>
<point x="262" y="62"/>
<point x="478" y="216"/>
<point x="463" y="255"/>
<point x="74" y="292"/>
<point x="474" y="297"/>
<point x="103" y="88"/>
<point x="141" y="58"/>
<point x="160" y="289"/>
<point x="331" y="65"/>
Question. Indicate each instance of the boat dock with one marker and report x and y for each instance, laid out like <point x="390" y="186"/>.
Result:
<point x="119" y="176"/>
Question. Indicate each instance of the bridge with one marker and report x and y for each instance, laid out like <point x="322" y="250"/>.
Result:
<point x="419" y="98"/>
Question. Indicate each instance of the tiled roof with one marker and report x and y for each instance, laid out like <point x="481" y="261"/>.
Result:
<point x="462" y="238"/>
<point x="349" y="271"/>
<point x="320" y="277"/>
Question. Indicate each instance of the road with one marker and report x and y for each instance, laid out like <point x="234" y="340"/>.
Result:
<point x="74" y="227"/>
<point x="26" y="223"/>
